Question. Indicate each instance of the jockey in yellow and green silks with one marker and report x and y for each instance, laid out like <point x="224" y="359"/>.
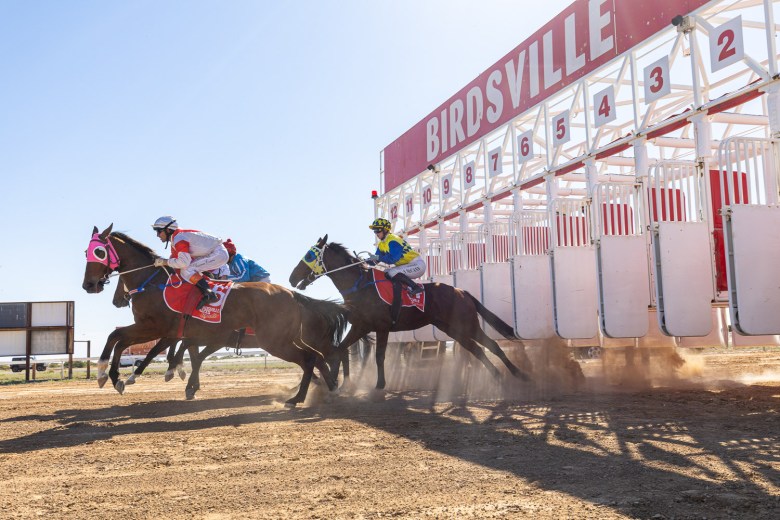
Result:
<point x="394" y="250"/>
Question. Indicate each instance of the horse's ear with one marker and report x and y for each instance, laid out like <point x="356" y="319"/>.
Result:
<point x="107" y="231"/>
<point x="324" y="240"/>
<point x="94" y="229"/>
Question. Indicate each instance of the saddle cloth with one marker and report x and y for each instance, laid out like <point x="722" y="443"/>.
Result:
<point x="384" y="289"/>
<point x="182" y="297"/>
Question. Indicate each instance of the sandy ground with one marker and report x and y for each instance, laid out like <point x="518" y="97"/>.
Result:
<point x="702" y="445"/>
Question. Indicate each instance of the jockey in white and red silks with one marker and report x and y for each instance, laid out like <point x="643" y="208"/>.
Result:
<point x="192" y="253"/>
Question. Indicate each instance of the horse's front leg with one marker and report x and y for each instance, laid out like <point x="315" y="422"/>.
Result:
<point x="153" y="352"/>
<point x="105" y="356"/>
<point x="354" y="334"/>
<point x="381" y="347"/>
<point x="121" y="338"/>
<point x="113" y="372"/>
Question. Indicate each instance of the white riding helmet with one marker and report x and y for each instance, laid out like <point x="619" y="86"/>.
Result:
<point x="166" y="222"/>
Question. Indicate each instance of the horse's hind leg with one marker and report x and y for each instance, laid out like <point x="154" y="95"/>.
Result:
<point x="470" y="345"/>
<point x="303" y="388"/>
<point x="196" y="360"/>
<point x="327" y="374"/>
<point x="493" y="347"/>
<point x="176" y="361"/>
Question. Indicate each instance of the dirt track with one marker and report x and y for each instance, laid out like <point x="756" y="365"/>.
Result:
<point x="707" y="449"/>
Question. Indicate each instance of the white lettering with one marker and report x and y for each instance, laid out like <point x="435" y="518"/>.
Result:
<point x="596" y="24"/>
<point x="494" y="96"/>
<point x="474" y="110"/>
<point x="456" y="122"/>
<point x="573" y="61"/>
<point x="551" y="75"/>
<point x="431" y="138"/>
<point x="515" y="77"/>
<point x="533" y="68"/>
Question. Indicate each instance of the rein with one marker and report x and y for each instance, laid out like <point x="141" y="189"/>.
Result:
<point x="117" y="273"/>
<point x="318" y="269"/>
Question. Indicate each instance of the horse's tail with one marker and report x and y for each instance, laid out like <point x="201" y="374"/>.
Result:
<point x="497" y="323"/>
<point x="334" y="314"/>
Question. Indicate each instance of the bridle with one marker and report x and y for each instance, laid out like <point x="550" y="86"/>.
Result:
<point x="103" y="252"/>
<point x="314" y="259"/>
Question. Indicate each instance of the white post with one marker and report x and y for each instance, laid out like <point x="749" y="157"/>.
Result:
<point x="592" y="179"/>
<point x="702" y="135"/>
<point x="642" y="166"/>
<point x="488" y="220"/>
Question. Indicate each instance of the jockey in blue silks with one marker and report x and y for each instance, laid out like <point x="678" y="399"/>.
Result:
<point x="244" y="269"/>
<point x="395" y="251"/>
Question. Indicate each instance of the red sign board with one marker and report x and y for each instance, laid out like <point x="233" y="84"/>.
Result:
<point x="583" y="37"/>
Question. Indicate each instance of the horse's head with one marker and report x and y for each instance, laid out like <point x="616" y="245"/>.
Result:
<point x="102" y="259"/>
<point x="310" y="266"/>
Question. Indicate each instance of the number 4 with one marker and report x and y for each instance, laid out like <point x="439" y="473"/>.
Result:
<point x="604" y="107"/>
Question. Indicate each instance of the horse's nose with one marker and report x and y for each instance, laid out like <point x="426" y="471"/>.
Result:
<point x="88" y="286"/>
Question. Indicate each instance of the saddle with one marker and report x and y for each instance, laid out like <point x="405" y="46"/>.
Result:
<point x="184" y="297"/>
<point x="396" y="294"/>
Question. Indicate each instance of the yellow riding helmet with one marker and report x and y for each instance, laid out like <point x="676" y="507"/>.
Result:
<point x="381" y="223"/>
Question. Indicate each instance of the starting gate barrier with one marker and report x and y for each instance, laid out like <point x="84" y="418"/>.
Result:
<point x="531" y="275"/>
<point x="573" y="269"/>
<point x="623" y="278"/>
<point x="751" y="218"/>
<point x="681" y="250"/>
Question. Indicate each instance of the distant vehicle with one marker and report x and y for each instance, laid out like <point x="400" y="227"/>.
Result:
<point x="130" y="361"/>
<point x="20" y="363"/>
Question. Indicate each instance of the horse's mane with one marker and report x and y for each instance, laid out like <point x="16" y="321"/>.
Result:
<point x="135" y="243"/>
<point x="339" y="248"/>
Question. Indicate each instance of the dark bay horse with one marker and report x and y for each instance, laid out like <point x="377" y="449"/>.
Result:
<point x="282" y="319"/>
<point x="454" y="311"/>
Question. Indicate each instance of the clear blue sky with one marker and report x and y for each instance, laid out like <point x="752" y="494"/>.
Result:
<point x="259" y="121"/>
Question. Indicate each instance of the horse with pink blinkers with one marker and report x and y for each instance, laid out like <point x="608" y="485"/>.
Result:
<point x="286" y="324"/>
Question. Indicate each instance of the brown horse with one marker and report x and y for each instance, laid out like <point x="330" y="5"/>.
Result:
<point x="454" y="311"/>
<point x="175" y="357"/>
<point x="281" y="318"/>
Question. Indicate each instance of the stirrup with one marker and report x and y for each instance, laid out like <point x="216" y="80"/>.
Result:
<point x="207" y="298"/>
<point x="417" y="289"/>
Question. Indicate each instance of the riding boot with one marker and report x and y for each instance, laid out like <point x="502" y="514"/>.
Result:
<point x="395" y="307"/>
<point x="208" y="295"/>
<point x="414" y="288"/>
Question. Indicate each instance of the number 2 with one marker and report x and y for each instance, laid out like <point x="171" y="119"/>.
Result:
<point x="726" y="39"/>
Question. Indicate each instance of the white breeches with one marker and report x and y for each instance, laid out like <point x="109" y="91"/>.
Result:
<point x="414" y="269"/>
<point x="214" y="260"/>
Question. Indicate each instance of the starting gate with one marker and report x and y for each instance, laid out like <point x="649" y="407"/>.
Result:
<point x="612" y="172"/>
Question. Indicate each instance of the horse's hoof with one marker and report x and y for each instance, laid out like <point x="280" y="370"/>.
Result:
<point x="101" y="380"/>
<point x="290" y="404"/>
<point x="182" y="374"/>
<point x="190" y="394"/>
<point x="130" y="380"/>
<point x="120" y="387"/>
<point x="168" y="375"/>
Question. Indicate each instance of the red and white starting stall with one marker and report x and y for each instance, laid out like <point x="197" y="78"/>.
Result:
<point x="613" y="180"/>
